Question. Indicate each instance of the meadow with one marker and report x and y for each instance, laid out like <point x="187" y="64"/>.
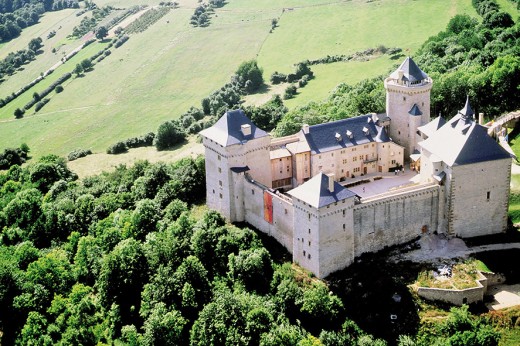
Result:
<point x="158" y="74"/>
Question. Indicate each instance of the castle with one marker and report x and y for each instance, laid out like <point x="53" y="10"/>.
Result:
<point x="337" y="190"/>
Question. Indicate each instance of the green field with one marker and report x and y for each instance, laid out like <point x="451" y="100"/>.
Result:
<point x="160" y="73"/>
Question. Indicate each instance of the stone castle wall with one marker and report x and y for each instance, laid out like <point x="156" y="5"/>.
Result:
<point x="395" y="219"/>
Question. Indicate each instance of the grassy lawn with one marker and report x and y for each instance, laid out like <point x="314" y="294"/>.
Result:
<point x="158" y="74"/>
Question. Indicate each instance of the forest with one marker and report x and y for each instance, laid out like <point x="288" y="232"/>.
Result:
<point x="131" y="257"/>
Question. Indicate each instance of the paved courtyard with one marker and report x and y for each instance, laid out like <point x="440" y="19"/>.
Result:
<point x="505" y="296"/>
<point x="388" y="182"/>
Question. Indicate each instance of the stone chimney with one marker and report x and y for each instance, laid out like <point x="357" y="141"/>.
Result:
<point x="481" y="118"/>
<point x="305" y="128"/>
<point x="400" y="75"/>
<point x="331" y="182"/>
<point x="246" y="129"/>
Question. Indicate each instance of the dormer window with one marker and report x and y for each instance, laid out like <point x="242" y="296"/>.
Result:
<point x="338" y="136"/>
<point x="365" y="131"/>
<point x="349" y="134"/>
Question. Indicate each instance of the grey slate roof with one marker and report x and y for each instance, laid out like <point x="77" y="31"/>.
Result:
<point x="462" y="141"/>
<point x="322" y="138"/>
<point x="432" y="126"/>
<point x="412" y="72"/>
<point x="227" y="130"/>
<point x="316" y="192"/>
<point x="467" y="111"/>
<point x="415" y="110"/>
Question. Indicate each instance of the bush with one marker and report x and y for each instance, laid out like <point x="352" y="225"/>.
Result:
<point x="289" y="92"/>
<point x="142" y="141"/>
<point x="118" y="148"/>
<point x="169" y="134"/>
<point x="77" y="153"/>
<point x="58" y="88"/>
<point x="277" y="78"/>
<point x="250" y="75"/>
<point x="40" y="104"/>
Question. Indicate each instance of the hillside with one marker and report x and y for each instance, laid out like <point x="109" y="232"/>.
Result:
<point x="159" y="73"/>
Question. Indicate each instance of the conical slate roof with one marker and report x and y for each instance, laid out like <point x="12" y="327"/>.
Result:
<point x="228" y="129"/>
<point x="411" y="72"/>
<point x="316" y="192"/>
<point x="415" y="110"/>
<point x="467" y="111"/>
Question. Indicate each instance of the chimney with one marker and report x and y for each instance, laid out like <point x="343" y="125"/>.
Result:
<point x="331" y="182"/>
<point x="481" y="118"/>
<point x="305" y="128"/>
<point x="400" y="74"/>
<point x="246" y="129"/>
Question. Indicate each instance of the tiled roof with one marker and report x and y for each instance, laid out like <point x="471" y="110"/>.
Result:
<point x="316" y="192"/>
<point x="343" y="133"/>
<point x="227" y="130"/>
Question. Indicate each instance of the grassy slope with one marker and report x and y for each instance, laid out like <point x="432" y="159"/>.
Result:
<point x="160" y="73"/>
<point x="65" y="19"/>
<point x="347" y="27"/>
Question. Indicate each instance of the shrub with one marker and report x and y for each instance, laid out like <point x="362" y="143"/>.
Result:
<point x="118" y="148"/>
<point x="142" y="141"/>
<point x="289" y="92"/>
<point x="58" y="88"/>
<point x="40" y="104"/>
<point x="77" y="153"/>
<point x="277" y="78"/>
<point x="169" y="134"/>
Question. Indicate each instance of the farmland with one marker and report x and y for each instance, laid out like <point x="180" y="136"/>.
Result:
<point x="158" y="74"/>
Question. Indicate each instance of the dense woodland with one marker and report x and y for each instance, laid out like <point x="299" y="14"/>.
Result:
<point x="122" y="257"/>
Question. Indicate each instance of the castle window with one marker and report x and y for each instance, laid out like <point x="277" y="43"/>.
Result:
<point x="220" y="195"/>
<point x="303" y="240"/>
<point x="280" y="171"/>
<point x="309" y="215"/>
<point x="332" y="154"/>
<point x="309" y="243"/>
<point x="404" y="98"/>
<point x="280" y="160"/>
<point x="488" y="195"/>
<point x="220" y="182"/>
<point x="287" y="170"/>
<point x="309" y="231"/>
<point x="343" y="215"/>
<point x="213" y="191"/>
<point x="252" y="191"/>
<point x="219" y="157"/>
<point x="365" y="146"/>
<point x="304" y="253"/>
<point x="319" y="157"/>
<point x="343" y="226"/>
<point x="285" y="211"/>
<point x="399" y="132"/>
<point x="309" y="256"/>
<point x="287" y="158"/>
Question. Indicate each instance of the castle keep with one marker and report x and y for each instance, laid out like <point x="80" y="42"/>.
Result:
<point x="337" y="190"/>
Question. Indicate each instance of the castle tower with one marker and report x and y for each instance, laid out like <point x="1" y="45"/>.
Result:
<point x="475" y="172"/>
<point x="407" y="104"/>
<point x="234" y="146"/>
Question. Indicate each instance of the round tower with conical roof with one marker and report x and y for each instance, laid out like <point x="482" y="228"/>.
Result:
<point x="407" y="104"/>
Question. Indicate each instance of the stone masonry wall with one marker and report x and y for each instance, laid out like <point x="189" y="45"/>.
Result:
<point x="396" y="219"/>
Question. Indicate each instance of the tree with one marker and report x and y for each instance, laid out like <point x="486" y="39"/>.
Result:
<point x="121" y="280"/>
<point x="86" y="64"/>
<point x="169" y="134"/>
<point x="101" y="33"/>
<point x="78" y="70"/>
<point x="164" y="327"/>
<point x="18" y="113"/>
<point x="35" y="44"/>
<point x="250" y="75"/>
